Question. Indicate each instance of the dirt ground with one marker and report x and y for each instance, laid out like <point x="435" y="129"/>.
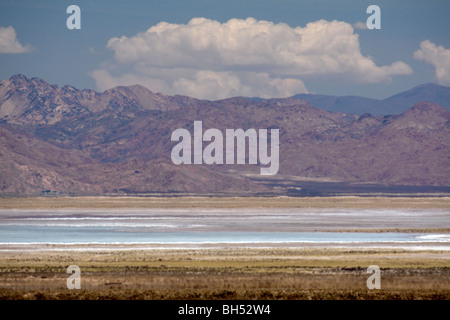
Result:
<point x="240" y="273"/>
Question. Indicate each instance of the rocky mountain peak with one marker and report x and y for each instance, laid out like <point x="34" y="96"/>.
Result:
<point x="423" y="116"/>
<point x="21" y="82"/>
<point x="424" y="108"/>
<point x="18" y="79"/>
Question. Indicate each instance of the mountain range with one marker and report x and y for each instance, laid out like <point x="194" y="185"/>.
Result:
<point x="61" y="140"/>
<point x="396" y="104"/>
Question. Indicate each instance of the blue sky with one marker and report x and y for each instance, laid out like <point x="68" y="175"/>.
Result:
<point x="375" y="63"/>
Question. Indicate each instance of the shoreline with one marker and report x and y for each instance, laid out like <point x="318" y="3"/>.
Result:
<point x="85" y="247"/>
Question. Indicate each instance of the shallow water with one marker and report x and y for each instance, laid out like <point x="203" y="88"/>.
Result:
<point x="218" y="226"/>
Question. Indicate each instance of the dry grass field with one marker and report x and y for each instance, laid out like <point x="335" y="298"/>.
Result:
<point x="224" y="202"/>
<point x="239" y="273"/>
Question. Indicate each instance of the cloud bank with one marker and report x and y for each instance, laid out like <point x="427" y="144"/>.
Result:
<point x="212" y="60"/>
<point x="437" y="56"/>
<point x="9" y="42"/>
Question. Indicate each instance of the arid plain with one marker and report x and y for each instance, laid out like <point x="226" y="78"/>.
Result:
<point x="226" y="271"/>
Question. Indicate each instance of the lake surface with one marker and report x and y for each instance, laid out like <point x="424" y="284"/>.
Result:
<point x="173" y="226"/>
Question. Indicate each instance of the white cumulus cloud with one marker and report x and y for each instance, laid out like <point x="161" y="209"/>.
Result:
<point x="437" y="56"/>
<point x="9" y="42"/>
<point x="213" y="60"/>
<point x="360" y="25"/>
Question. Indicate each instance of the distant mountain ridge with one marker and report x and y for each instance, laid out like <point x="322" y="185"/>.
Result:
<point x="70" y="141"/>
<point x="396" y="104"/>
